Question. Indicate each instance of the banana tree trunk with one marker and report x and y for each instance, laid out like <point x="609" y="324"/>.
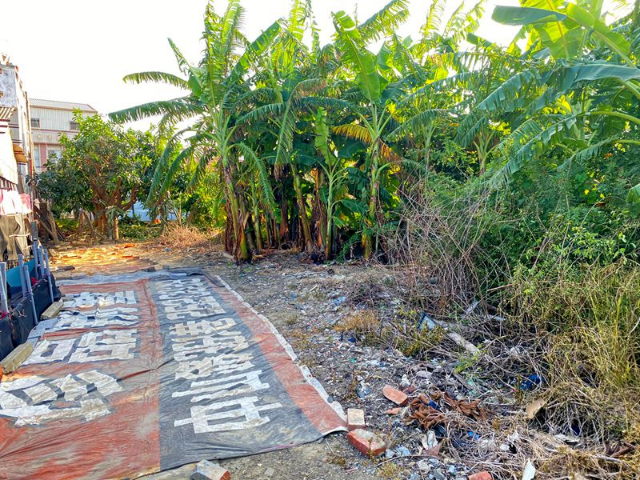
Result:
<point x="320" y="212"/>
<point x="302" y="211"/>
<point x="240" y="247"/>
<point x="284" y="220"/>
<point x="367" y="236"/>
<point x="268" y="228"/>
<point x="257" y="228"/>
<point x="328" y="236"/>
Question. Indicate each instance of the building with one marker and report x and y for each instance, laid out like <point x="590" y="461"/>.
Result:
<point x="49" y="120"/>
<point x="16" y="149"/>
<point x="16" y="145"/>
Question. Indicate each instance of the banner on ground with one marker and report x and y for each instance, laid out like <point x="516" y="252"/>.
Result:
<point x="150" y="372"/>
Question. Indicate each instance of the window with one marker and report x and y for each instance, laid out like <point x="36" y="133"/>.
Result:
<point x="53" y="155"/>
<point x="36" y="157"/>
<point x="35" y="123"/>
<point x="73" y="125"/>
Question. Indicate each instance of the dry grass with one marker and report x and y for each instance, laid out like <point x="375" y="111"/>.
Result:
<point x="589" y="345"/>
<point x="436" y="249"/>
<point x="364" y="324"/>
<point x="187" y="237"/>
<point x="576" y="326"/>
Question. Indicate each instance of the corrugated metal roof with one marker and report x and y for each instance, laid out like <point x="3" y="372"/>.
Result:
<point x="37" y="102"/>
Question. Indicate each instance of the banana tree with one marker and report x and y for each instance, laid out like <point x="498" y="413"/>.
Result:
<point x="335" y="170"/>
<point x="214" y="88"/>
<point x="372" y="108"/>
<point x="580" y="105"/>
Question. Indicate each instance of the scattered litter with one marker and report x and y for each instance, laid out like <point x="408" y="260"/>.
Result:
<point x="426" y="321"/>
<point x="534" y="407"/>
<point x="569" y="440"/>
<point x="481" y="476"/>
<point x="470" y="409"/>
<point x="425" y="414"/>
<point x="403" y="452"/>
<point x="530" y="382"/>
<point x="339" y="301"/>
<point x="529" y="472"/>
<point x="363" y="391"/>
<point x="473" y="435"/>
<point x="430" y="440"/>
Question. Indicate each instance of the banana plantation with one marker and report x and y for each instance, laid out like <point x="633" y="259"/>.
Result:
<point x="316" y="146"/>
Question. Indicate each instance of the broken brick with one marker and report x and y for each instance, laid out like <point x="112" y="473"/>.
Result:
<point x="481" y="476"/>
<point x="355" y="419"/>
<point x="410" y="389"/>
<point x="395" y="395"/>
<point x="206" y="470"/>
<point x="366" y="442"/>
<point x="393" y="411"/>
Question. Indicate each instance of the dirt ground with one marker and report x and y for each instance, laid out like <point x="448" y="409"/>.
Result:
<point x="310" y="306"/>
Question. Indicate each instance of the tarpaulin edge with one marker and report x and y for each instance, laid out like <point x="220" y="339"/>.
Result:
<point x="306" y="373"/>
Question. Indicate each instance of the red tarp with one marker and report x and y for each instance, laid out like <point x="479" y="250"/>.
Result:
<point x="151" y="372"/>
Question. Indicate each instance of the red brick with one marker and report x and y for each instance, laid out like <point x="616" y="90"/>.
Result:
<point x="355" y="419"/>
<point x="395" y="395"/>
<point x="367" y="443"/>
<point x="393" y="411"/>
<point x="481" y="476"/>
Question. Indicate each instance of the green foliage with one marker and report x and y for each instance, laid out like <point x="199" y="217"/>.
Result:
<point x="314" y="145"/>
<point x="102" y="169"/>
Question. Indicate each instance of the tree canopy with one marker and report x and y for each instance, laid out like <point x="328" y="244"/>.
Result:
<point x="101" y="170"/>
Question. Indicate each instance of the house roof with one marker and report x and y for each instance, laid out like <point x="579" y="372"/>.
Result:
<point x="40" y="103"/>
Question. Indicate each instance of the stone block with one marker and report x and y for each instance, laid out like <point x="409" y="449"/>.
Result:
<point x="355" y="419"/>
<point x="12" y="361"/>
<point x="206" y="470"/>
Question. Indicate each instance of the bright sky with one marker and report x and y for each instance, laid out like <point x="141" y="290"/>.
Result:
<point x="79" y="50"/>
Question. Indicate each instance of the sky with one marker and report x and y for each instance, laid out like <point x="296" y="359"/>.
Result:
<point x="79" y="50"/>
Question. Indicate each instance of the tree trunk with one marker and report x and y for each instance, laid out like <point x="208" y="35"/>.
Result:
<point x="116" y="229"/>
<point x="101" y="222"/>
<point x="319" y="215"/>
<point x="302" y="212"/>
<point x="284" y="220"/>
<point x="267" y="224"/>
<point x="240" y="248"/>
<point x="257" y="227"/>
<point x="367" y="237"/>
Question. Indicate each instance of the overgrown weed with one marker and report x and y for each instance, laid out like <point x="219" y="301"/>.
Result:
<point x="186" y="237"/>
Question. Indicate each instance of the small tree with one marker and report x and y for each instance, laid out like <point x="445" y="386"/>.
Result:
<point x="101" y="170"/>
